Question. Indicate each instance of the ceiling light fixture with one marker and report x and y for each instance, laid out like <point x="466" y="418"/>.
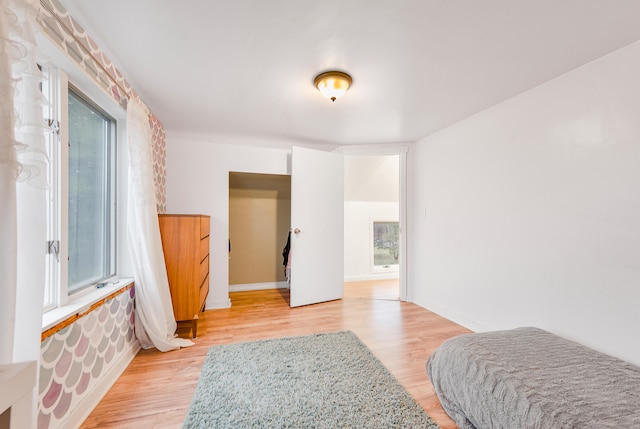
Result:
<point x="332" y="84"/>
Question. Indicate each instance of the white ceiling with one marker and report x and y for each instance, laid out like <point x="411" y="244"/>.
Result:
<point x="247" y="66"/>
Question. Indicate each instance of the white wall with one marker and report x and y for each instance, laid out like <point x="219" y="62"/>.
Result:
<point x="198" y="183"/>
<point x="533" y="210"/>
<point x="372" y="178"/>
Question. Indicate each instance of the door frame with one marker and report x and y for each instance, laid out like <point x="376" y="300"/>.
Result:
<point x="401" y="150"/>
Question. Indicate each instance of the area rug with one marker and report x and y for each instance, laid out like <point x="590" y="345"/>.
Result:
<point x="328" y="380"/>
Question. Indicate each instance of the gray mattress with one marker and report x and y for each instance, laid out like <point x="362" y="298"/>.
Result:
<point x="530" y="378"/>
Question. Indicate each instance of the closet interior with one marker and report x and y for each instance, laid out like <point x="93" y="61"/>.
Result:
<point x="259" y="222"/>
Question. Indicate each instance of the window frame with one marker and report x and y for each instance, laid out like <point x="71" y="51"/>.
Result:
<point x="51" y="111"/>
<point x="56" y="90"/>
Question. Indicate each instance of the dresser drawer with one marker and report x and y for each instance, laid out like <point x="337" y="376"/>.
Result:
<point x="205" y="222"/>
<point x="204" y="291"/>
<point x="204" y="269"/>
<point x="204" y="248"/>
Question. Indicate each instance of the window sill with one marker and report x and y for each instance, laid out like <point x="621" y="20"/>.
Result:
<point x="379" y="269"/>
<point x="81" y="304"/>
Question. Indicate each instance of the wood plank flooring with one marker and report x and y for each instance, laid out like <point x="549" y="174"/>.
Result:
<point x="156" y="389"/>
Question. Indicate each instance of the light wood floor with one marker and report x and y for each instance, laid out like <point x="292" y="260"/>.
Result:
<point x="156" y="389"/>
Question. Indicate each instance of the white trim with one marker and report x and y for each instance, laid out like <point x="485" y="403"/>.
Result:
<point x="62" y="195"/>
<point x="51" y="89"/>
<point x="405" y="292"/>
<point x="217" y="305"/>
<point x="258" y="286"/>
<point x="85" y="406"/>
<point x="374" y="149"/>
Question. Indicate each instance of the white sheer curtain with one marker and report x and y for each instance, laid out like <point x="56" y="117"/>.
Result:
<point x="8" y="173"/>
<point x="155" y="323"/>
<point x="22" y="153"/>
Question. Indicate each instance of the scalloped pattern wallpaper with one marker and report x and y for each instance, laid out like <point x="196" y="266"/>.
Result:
<point x="60" y="26"/>
<point x="73" y="359"/>
<point x="159" y="163"/>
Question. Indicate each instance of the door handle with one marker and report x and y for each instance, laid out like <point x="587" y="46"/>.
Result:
<point x="296" y="231"/>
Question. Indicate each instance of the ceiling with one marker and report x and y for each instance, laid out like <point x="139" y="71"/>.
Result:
<point x="246" y="67"/>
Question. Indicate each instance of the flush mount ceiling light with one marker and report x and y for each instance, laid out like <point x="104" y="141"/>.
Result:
<point x="332" y="84"/>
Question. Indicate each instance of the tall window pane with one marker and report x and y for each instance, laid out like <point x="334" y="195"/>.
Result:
<point x="90" y="153"/>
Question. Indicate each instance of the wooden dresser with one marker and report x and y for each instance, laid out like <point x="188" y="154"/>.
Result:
<point x="185" y="242"/>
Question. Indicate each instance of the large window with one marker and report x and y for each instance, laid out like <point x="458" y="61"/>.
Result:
<point x="81" y="198"/>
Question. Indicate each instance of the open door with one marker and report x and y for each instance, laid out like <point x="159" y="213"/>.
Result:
<point x="317" y="223"/>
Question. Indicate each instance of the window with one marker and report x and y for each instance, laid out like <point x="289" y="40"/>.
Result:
<point x="81" y="198"/>
<point x="90" y="161"/>
<point x="385" y="245"/>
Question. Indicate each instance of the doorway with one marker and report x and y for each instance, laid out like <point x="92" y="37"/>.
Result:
<point x="372" y="222"/>
<point x="315" y="204"/>
<point x="259" y="221"/>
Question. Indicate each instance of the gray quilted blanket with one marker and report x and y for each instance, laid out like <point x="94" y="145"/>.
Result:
<point x="529" y="378"/>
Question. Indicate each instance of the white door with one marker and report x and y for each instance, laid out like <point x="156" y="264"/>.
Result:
<point x="317" y="222"/>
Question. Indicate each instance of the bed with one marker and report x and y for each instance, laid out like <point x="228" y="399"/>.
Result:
<point x="530" y="378"/>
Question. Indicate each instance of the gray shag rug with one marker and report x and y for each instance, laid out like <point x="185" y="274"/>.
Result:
<point x="328" y="380"/>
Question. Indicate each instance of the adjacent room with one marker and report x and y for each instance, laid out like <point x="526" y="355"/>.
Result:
<point x="232" y="214"/>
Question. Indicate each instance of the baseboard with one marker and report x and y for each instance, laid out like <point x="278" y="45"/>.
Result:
<point x="86" y="405"/>
<point x="453" y="316"/>
<point x="368" y="277"/>
<point x="258" y="286"/>
<point x="218" y="305"/>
